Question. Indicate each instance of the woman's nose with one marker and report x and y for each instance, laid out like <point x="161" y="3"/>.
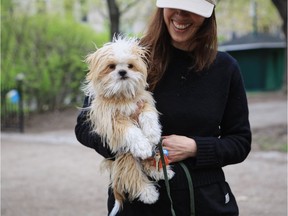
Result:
<point x="181" y="12"/>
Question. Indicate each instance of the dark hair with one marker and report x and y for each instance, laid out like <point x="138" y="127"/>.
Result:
<point x="158" y="41"/>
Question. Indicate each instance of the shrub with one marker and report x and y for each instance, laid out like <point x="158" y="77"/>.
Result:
<point x="49" y="50"/>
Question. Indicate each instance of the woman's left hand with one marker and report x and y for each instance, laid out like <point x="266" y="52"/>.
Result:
<point x="179" y="147"/>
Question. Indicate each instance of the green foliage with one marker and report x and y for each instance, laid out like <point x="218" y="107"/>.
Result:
<point x="49" y="50"/>
<point x="236" y="17"/>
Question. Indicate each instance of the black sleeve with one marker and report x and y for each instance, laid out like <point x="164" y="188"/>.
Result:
<point x="87" y="137"/>
<point x="234" y="144"/>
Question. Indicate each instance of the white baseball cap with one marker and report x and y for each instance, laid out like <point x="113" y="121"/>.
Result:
<point x="201" y="7"/>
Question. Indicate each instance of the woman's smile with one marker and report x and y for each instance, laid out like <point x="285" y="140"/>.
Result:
<point x="182" y="26"/>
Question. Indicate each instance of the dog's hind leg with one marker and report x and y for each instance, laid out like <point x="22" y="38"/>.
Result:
<point x="149" y="194"/>
<point x="128" y="177"/>
<point x="150" y="169"/>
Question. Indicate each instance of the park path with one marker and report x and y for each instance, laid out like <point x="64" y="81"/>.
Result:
<point x="51" y="174"/>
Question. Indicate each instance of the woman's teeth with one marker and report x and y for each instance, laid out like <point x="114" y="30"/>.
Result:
<point x="180" y="26"/>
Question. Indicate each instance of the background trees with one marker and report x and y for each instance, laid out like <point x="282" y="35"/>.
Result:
<point x="115" y="13"/>
<point x="48" y="40"/>
<point x="234" y="11"/>
<point x="49" y="50"/>
<point x="281" y="6"/>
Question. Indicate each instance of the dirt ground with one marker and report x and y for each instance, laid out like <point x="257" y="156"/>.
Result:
<point x="46" y="172"/>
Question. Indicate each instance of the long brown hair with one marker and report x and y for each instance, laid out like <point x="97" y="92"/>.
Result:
<point x="158" y="41"/>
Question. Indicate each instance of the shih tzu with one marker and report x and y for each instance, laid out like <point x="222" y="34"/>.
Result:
<point x="123" y="113"/>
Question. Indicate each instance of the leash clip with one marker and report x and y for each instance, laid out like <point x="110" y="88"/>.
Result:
<point x="157" y="162"/>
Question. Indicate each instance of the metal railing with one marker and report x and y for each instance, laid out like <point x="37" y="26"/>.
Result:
<point x="12" y="113"/>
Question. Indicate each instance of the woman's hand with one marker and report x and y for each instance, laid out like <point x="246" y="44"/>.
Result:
<point x="179" y="147"/>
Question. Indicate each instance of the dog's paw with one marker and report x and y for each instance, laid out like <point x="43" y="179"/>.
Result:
<point x="155" y="174"/>
<point x="149" y="194"/>
<point x="142" y="149"/>
<point x="154" y="138"/>
<point x="170" y="173"/>
<point x="153" y="134"/>
<point x="137" y="143"/>
<point x="158" y="175"/>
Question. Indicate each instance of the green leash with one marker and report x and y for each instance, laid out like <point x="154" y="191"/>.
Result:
<point x="189" y="179"/>
<point x="191" y="188"/>
<point x="166" y="177"/>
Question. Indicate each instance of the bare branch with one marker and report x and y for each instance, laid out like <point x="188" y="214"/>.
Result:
<point x="129" y="5"/>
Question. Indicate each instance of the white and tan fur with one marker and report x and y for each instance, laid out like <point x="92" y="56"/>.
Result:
<point x="123" y="113"/>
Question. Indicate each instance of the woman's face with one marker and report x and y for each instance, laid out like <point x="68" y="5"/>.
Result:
<point x="182" y="26"/>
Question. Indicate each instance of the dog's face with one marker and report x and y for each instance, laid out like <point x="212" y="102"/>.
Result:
<point x="118" y="69"/>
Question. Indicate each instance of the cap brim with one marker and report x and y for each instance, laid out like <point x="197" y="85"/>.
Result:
<point x="200" y="7"/>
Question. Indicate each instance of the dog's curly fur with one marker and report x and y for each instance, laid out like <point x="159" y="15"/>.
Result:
<point x="123" y="113"/>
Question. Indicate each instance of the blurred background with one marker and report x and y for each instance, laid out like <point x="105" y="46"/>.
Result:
<point x="44" y="42"/>
<point x="45" y="171"/>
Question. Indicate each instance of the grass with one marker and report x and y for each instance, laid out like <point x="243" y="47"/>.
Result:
<point x="272" y="138"/>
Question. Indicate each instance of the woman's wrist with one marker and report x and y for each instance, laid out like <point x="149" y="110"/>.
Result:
<point x="193" y="148"/>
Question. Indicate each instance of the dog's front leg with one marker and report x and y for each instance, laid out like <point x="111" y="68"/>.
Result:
<point x="148" y="121"/>
<point x="130" y="138"/>
<point x="137" y="143"/>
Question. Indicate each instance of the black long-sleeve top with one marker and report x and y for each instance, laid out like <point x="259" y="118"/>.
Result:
<point x="209" y="106"/>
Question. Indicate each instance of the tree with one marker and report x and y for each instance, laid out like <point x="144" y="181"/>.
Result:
<point x="114" y="17"/>
<point x="281" y="6"/>
<point x="115" y="13"/>
<point x="49" y="50"/>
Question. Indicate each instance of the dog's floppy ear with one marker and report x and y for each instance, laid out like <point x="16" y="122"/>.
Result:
<point x="97" y="60"/>
<point x="91" y="59"/>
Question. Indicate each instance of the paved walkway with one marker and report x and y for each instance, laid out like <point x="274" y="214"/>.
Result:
<point x="51" y="174"/>
<point x="265" y="114"/>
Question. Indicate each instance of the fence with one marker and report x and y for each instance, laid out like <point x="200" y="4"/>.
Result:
<point x="12" y="114"/>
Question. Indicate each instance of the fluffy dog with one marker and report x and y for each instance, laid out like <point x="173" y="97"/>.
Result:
<point x="123" y="113"/>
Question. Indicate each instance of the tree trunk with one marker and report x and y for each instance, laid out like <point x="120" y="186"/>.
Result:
<point x="114" y="15"/>
<point x="281" y="6"/>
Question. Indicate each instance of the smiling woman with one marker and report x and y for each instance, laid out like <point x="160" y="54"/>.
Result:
<point x="182" y="26"/>
<point x="204" y="113"/>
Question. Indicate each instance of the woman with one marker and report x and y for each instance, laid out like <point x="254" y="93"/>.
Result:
<point x="204" y="114"/>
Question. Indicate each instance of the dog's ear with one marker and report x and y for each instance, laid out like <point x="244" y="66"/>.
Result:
<point x="141" y="52"/>
<point x="98" y="60"/>
<point x="91" y="60"/>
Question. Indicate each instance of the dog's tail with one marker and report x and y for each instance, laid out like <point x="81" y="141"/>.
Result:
<point x="119" y="198"/>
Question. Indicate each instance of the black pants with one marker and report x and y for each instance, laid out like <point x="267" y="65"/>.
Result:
<point x="215" y="199"/>
<point x="210" y="200"/>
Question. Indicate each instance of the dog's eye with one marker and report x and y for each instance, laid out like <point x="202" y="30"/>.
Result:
<point x="112" y="66"/>
<point x="130" y="66"/>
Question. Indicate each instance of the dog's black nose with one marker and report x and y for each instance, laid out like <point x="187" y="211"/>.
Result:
<point x="122" y="73"/>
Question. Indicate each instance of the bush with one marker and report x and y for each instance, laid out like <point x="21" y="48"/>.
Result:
<point x="49" y="51"/>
